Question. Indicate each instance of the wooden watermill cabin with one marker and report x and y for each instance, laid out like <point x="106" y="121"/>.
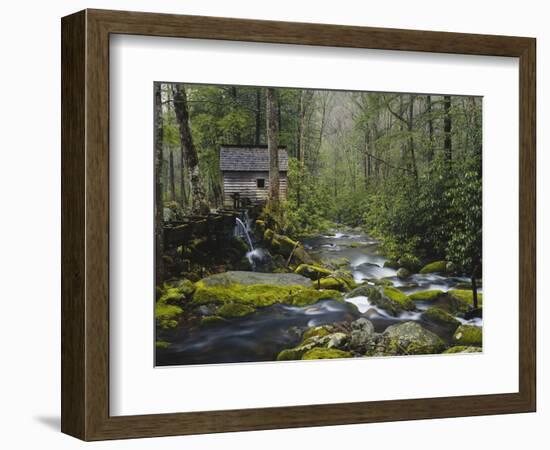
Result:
<point x="245" y="171"/>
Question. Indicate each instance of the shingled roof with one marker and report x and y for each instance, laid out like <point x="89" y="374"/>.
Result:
<point x="249" y="158"/>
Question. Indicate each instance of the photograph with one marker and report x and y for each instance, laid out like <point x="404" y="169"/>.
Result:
<point x="305" y="224"/>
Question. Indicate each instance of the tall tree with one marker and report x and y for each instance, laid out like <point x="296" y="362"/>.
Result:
<point x="447" y="129"/>
<point x="159" y="207"/>
<point x="258" y="115"/>
<point x="172" y="177"/>
<point x="273" y="149"/>
<point x="198" y="201"/>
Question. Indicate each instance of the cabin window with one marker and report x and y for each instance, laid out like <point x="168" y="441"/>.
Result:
<point x="260" y="182"/>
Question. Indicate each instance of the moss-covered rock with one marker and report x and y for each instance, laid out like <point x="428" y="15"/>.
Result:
<point x="410" y="262"/>
<point x="396" y="296"/>
<point x="162" y="344"/>
<point x="403" y="273"/>
<point x="468" y="335"/>
<point x="325" y="353"/>
<point x="410" y="338"/>
<point x="435" y="267"/>
<point x="391" y="263"/>
<point x="312" y="272"/>
<point x="249" y="278"/>
<point x="388" y="298"/>
<point x="315" y="332"/>
<point x="463" y="349"/>
<point x="466" y="296"/>
<point x="206" y="320"/>
<point x="426" y="296"/>
<point x="168" y="307"/>
<point x="259" y="295"/>
<point x="338" y="281"/>
<point x="440" y="317"/>
<point x="231" y="310"/>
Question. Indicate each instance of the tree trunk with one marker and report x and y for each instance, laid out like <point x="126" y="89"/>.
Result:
<point x="198" y="200"/>
<point x="273" y="149"/>
<point x="258" y="115"/>
<point x="159" y="207"/>
<point x="183" y="191"/>
<point x="410" y="127"/>
<point x="430" y="128"/>
<point x="172" y="178"/>
<point x="447" y="128"/>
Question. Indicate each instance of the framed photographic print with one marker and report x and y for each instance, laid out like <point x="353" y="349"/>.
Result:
<point x="271" y="224"/>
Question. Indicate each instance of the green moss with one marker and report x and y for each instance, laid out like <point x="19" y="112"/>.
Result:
<point x="290" y="354"/>
<point x="230" y="310"/>
<point x="395" y="295"/>
<point x="436" y="266"/>
<point x="466" y="296"/>
<point x="312" y="272"/>
<point x="426" y="296"/>
<point x="440" y="317"/>
<point x="468" y="335"/>
<point x="355" y="245"/>
<point x="463" y="349"/>
<point x="392" y="264"/>
<point x="258" y="295"/>
<point x="315" y="332"/>
<point x="305" y="297"/>
<point x="166" y="314"/>
<point x="325" y="353"/>
<point x="211" y="319"/>
<point x="162" y="344"/>
<point x="409" y="262"/>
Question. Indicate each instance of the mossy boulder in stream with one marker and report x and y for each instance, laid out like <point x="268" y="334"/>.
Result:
<point x="440" y="317"/>
<point x="325" y="353"/>
<point x="410" y="338"/>
<point x="312" y="272"/>
<point x="466" y="296"/>
<point x="403" y="273"/>
<point x="426" y="296"/>
<point x="435" y="267"/>
<point x="468" y="335"/>
<point x="390" y="299"/>
<point x="240" y="293"/>
<point x="339" y="281"/>
<point x="409" y="262"/>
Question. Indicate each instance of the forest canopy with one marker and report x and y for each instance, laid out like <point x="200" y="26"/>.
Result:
<point x="406" y="168"/>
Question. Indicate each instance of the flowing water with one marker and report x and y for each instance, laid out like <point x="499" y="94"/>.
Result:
<point x="262" y="335"/>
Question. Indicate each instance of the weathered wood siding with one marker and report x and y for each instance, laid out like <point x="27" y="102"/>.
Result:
<point x="245" y="184"/>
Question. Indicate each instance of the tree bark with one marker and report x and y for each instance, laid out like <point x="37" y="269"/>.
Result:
<point x="258" y="115"/>
<point x="159" y="207"/>
<point x="198" y="200"/>
<point x="273" y="148"/>
<point x="430" y="128"/>
<point x="410" y="128"/>
<point x="447" y="128"/>
<point x="172" y="178"/>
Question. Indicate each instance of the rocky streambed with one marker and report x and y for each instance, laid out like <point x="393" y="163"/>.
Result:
<point x="342" y="299"/>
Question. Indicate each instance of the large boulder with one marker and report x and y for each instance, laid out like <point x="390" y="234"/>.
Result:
<point x="390" y="299"/>
<point x="435" y="267"/>
<point x="362" y="336"/>
<point x="468" y="335"/>
<point x="410" y="338"/>
<point x="249" y="278"/>
<point x="403" y="273"/>
<point x="440" y="317"/>
<point x="312" y="272"/>
<point x="325" y="353"/>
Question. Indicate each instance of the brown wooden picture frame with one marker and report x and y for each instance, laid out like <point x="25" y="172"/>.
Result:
<point x="85" y="224"/>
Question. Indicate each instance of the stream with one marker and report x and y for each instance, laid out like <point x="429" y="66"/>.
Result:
<point x="262" y="335"/>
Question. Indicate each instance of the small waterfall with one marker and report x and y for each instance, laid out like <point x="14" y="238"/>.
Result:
<point x="241" y="226"/>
